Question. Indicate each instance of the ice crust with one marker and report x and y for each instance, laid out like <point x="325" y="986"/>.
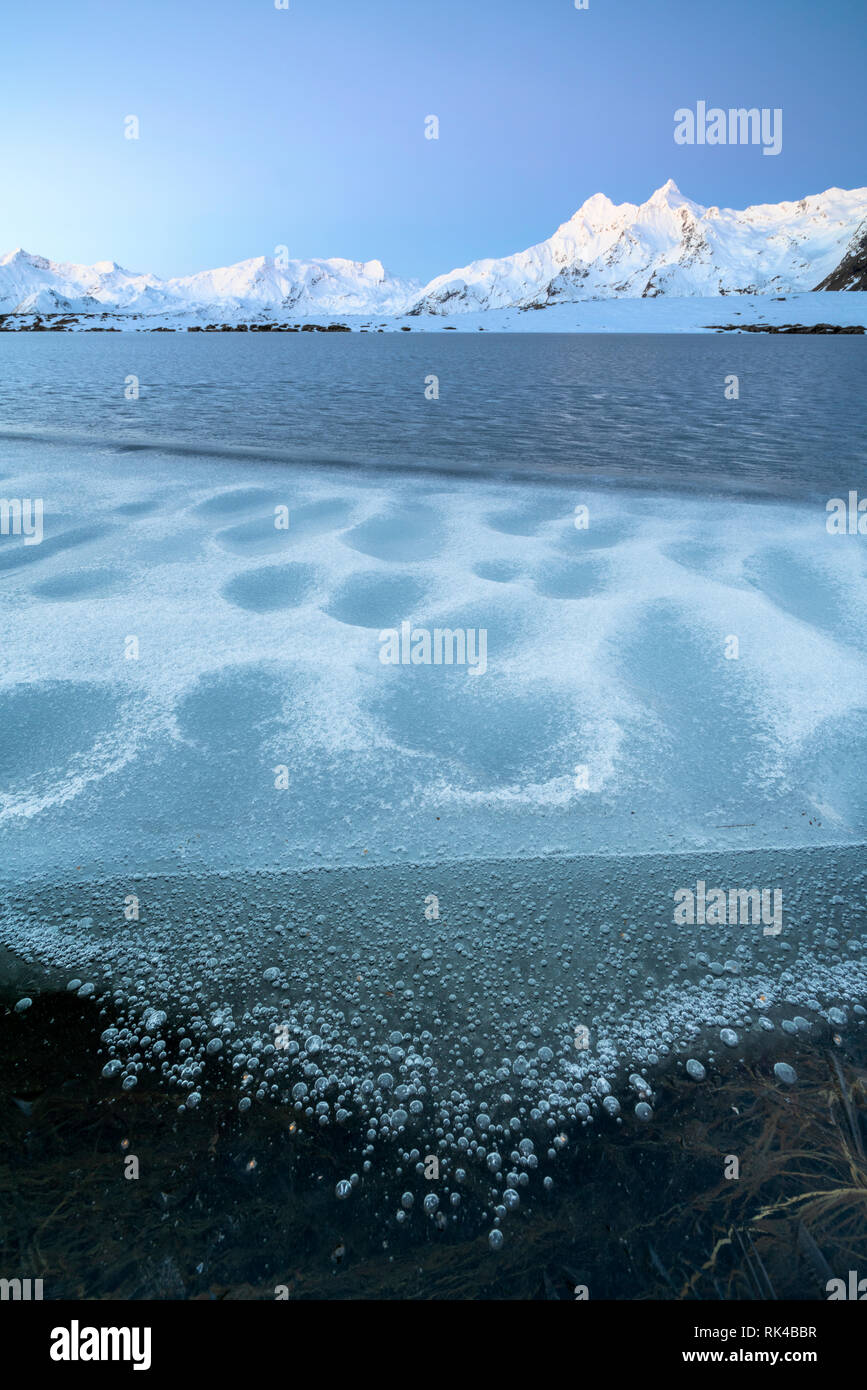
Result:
<point x="544" y="998"/>
<point x="259" y="648"/>
<point x="289" y="933"/>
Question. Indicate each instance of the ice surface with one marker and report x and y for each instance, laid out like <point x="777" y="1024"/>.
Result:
<point x="259" y="648"/>
<point x="343" y="870"/>
<point x="497" y="1027"/>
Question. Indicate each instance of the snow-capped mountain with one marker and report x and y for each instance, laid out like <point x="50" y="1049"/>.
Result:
<point x="32" y="284"/>
<point x="669" y="245"/>
<point x="299" y="287"/>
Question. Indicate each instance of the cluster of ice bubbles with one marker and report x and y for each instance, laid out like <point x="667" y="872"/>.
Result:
<point x="486" y="1042"/>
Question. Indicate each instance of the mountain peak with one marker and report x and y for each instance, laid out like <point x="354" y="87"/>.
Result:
<point x="596" y="212"/>
<point x="20" y="256"/>
<point x="668" y="193"/>
<point x="597" y="202"/>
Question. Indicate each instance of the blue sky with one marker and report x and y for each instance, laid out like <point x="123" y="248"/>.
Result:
<point x="305" y="128"/>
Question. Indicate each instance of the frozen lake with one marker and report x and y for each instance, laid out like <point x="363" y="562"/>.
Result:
<point x="237" y="786"/>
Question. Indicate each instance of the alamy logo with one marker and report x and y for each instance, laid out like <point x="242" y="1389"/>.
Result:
<point x="846" y="519"/>
<point x="856" y="1289"/>
<point x="738" y="126"/>
<point x="740" y="906"/>
<point x="21" y="516"/>
<point x="20" y="1290"/>
<point x="443" y="647"/>
<point x="76" y="1343"/>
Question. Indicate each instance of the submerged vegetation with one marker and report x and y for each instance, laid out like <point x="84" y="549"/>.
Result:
<point x="229" y="1206"/>
<point x="798" y="1212"/>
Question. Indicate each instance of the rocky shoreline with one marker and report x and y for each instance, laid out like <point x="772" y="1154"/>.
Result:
<point x="50" y="323"/>
<point x="63" y="323"/>
<point x="786" y="328"/>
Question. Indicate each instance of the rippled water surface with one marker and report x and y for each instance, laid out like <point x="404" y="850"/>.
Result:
<point x="644" y="407"/>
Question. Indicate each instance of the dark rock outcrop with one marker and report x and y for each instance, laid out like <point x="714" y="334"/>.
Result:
<point x="851" y="273"/>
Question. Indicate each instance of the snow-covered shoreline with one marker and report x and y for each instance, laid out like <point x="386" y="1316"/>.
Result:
<point x="835" y="309"/>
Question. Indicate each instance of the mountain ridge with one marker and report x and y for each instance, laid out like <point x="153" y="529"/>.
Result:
<point x="669" y="245"/>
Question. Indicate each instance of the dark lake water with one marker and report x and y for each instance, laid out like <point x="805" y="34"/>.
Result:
<point x="645" y="408"/>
